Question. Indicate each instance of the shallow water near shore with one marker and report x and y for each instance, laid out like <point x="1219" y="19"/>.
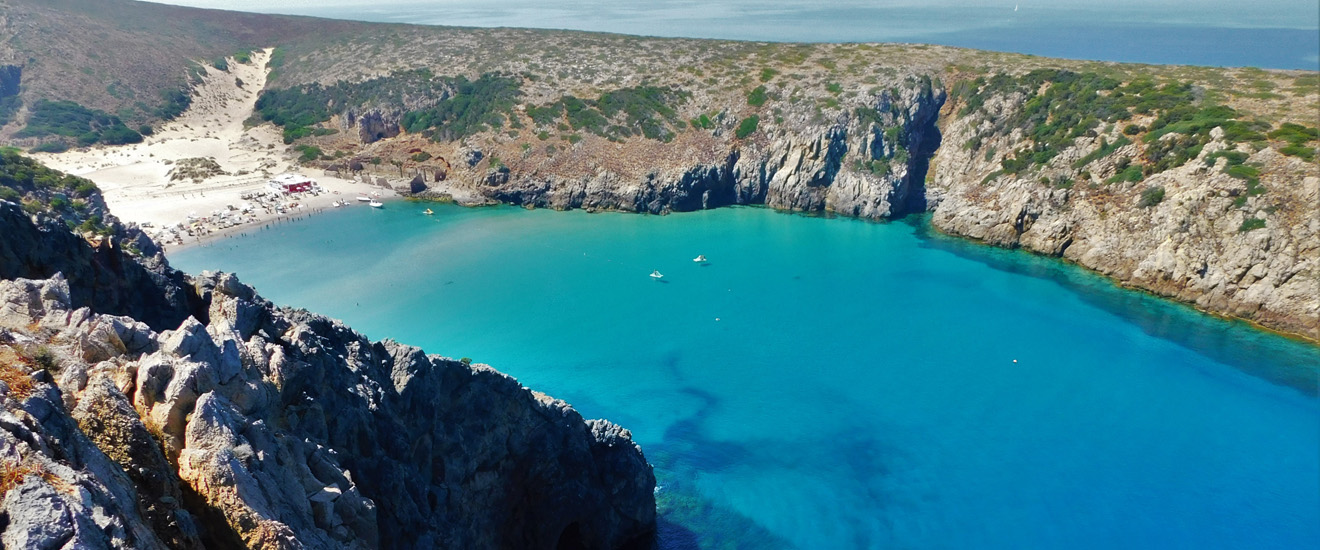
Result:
<point x="834" y="383"/>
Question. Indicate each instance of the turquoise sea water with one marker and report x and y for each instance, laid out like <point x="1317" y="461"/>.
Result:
<point x="833" y="383"/>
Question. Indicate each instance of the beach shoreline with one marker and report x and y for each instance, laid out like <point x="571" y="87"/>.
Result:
<point x="205" y="174"/>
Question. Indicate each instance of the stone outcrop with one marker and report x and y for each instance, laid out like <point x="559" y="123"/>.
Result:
<point x="372" y="125"/>
<point x="275" y="428"/>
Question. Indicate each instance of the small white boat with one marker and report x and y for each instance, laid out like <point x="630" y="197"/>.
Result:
<point x="363" y="198"/>
<point x="428" y="212"/>
<point x="376" y="204"/>
<point x="656" y="275"/>
<point x="699" y="258"/>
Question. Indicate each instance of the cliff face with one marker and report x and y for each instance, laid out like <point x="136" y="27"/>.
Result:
<point x="1182" y="232"/>
<point x="263" y="427"/>
<point x="104" y="275"/>
<point x="805" y="168"/>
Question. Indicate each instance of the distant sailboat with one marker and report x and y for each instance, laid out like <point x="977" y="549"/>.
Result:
<point x="699" y="258"/>
<point x="1015" y="7"/>
<point x="656" y="275"/>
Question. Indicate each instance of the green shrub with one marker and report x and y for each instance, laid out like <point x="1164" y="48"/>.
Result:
<point x="84" y="189"/>
<point x="9" y="194"/>
<point x="51" y="147"/>
<point x="1132" y="173"/>
<point x="1295" y="134"/>
<point x="547" y="115"/>
<point x="1103" y="151"/>
<point x="1254" y="188"/>
<point x="757" y="97"/>
<point x="309" y="153"/>
<point x="174" y="103"/>
<point x="45" y="359"/>
<point x="421" y="156"/>
<point x="1305" y="152"/>
<point x="9" y="105"/>
<point x="747" y="126"/>
<point x="1242" y="171"/>
<point x="220" y="64"/>
<point x="1152" y="196"/>
<point x="767" y="74"/>
<point x="1251" y="224"/>
<point x="833" y="87"/>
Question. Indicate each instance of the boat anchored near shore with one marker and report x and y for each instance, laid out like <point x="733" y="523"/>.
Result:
<point x="376" y="204"/>
<point x="656" y="275"/>
<point x="699" y="258"/>
<point x="428" y="212"/>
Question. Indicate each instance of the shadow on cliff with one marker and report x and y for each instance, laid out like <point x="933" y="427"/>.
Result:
<point x="1229" y="341"/>
<point x="919" y="167"/>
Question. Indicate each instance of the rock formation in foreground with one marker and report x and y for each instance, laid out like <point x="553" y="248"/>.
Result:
<point x="266" y="427"/>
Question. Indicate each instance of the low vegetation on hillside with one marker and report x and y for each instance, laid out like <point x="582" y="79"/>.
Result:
<point x="43" y="190"/>
<point x="1060" y="106"/>
<point x="84" y="126"/>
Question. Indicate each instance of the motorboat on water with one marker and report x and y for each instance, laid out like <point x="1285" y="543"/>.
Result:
<point x="376" y="204"/>
<point x="699" y="258"/>
<point x="656" y="275"/>
<point x="428" y="212"/>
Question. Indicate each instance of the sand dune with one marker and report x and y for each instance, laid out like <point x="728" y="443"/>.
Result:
<point x="135" y="179"/>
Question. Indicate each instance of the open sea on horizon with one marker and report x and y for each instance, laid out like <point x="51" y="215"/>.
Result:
<point x="1230" y="35"/>
<point x="833" y="383"/>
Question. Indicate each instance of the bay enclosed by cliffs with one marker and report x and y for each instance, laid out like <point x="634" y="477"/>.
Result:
<point x="925" y="391"/>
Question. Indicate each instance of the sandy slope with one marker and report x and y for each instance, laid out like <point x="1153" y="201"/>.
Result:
<point x="135" y="178"/>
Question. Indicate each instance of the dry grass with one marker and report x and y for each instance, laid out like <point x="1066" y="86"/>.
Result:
<point x="13" y="472"/>
<point x="20" y="383"/>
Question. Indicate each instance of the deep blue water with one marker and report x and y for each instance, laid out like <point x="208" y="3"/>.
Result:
<point x="1282" y="35"/>
<point x="832" y="383"/>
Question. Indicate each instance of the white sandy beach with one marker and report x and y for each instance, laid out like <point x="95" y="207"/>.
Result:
<point x="135" y="178"/>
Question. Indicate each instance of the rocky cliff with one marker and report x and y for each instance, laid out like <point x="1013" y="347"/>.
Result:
<point x="126" y="275"/>
<point x="824" y="168"/>
<point x="1214" y="215"/>
<point x="248" y="425"/>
